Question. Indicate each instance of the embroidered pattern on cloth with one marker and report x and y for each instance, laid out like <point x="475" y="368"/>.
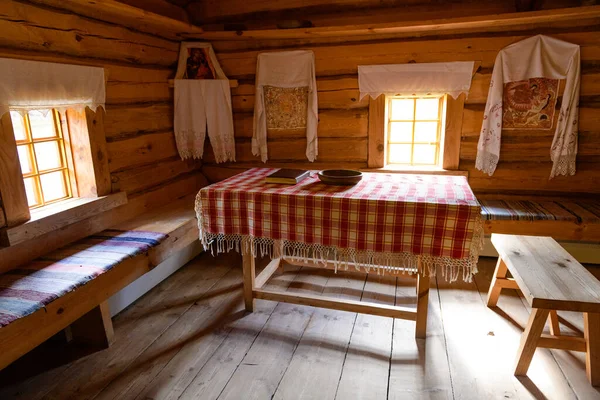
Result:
<point x="387" y="222"/>
<point x="530" y="104"/>
<point x="286" y="108"/>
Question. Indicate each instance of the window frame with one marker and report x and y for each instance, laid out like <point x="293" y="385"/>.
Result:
<point x="439" y="134"/>
<point x="65" y="154"/>
<point x="449" y="148"/>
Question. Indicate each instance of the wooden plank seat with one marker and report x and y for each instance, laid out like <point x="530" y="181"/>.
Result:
<point x="563" y="219"/>
<point x="550" y="280"/>
<point x="69" y="287"/>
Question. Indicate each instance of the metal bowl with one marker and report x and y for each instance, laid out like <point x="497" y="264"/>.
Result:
<point x="342" y="177"/>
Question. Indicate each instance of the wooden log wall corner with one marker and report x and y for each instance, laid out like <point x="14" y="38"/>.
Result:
<point x="137" y="124"/>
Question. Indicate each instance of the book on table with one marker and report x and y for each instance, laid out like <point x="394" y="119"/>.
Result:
<point x="287" y="176"/>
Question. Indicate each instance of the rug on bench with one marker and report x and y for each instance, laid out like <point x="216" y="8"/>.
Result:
<point x="525" y="210"/>
<point x="30" y="287"/>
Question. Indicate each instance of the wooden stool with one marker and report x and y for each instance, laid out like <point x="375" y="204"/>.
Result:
<point x="550" y="280"/>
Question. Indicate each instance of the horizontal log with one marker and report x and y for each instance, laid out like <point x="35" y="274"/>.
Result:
<point x="330" y="150"/>
<point x="332" y="123"/>
<point x="333" y="99"/>
<point x="341" y="82"/>
<point x="589" y="120"/>
<point x="332" y="60"/>
<point x="137" y="92"/>
<point x="130" y="16"/>
<point x="34" y="28"/>
<point x="136" y="179"/>
<point x="515" y="176"/>
<point x="519" y="147"/>
<point x="140" y="150"/>
<point x="590" y="86"/>
<point x="123" y="121"/>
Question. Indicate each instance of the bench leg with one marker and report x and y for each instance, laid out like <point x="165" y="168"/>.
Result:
<point x="591" y="326"/>
<point x="94" y="328"/>
<point x="494" y="292"/>
<point x="529" y="339"/>
<point x="422" y="304"/>
<point x="554" y="324"/>
<point x="249" y="273"/>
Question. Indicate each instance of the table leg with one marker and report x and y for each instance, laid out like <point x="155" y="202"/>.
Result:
<point x="529" y="339"/>
<point x="591" y="324"/>
<point x="422" y="304"/>
<point x="494" y="292"/>
<point x="249" y="273"/>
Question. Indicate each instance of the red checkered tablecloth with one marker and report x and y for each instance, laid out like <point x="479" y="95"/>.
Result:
<point x="390" y="221"/>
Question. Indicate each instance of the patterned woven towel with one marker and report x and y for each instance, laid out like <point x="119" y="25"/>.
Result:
<point x="32" y="286"/>
<point x="525" y="210"/>
<point x="388" y="221"/>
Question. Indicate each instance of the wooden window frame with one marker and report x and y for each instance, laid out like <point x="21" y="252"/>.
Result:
<point x="65" y="157"/>
<point x="83" y="132"/>
<point x="439" y="134"/>
<point x="449" y="145"/>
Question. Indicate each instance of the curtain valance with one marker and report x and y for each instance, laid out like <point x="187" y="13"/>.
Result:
<point x="33" y="85"/>
<point x="418" y="79"/>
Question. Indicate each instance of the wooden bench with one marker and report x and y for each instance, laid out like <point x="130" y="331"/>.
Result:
<point x="550" y="280"/>
<point x="560" y="218"/>
<point x="84" y="311"/>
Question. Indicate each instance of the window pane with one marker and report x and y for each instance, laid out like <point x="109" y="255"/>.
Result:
<point x="42" y="124"/>
<point x="424" y="154"/>
<point x="18" y="126"/>
<point x="426" y="131"/>
<point x="47" y="155"/>
<point x="402" y="109"/>
<point x="401" y="132"/>
<point x="399" y="153"/>
<point x="427" y="108"/>
<point x="31" y="191"/>
<point x="25" y="159"/>
<point x="53" y="186"/>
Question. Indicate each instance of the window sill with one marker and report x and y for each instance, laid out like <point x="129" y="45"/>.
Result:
<point x="59" y="215"/>
<point x="402" y="169"/>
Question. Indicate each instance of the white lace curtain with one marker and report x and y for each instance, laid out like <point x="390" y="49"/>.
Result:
<point x="418" y="79"/>
<point x="33" y="85"/>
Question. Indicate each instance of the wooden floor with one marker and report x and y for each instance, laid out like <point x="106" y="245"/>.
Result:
<point x="189" y="338"/>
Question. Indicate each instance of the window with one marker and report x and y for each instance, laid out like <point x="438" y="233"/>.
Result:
<point x="43" y="156"/>
<point x="414" y="131"/>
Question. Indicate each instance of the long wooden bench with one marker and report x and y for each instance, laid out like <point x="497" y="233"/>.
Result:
<point x="84" y="310"/>
<point x="560" y="218"/>
<point x="550" y="280"/>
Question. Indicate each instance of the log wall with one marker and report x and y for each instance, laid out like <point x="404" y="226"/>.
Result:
<point x="525" y="156"/>
<point x="138" y="123"/>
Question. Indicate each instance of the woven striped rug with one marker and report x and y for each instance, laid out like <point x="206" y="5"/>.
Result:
<point x="525" y="210"/>
<point x="32" y="286"/>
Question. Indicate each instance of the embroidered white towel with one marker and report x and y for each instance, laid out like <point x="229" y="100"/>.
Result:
<point x="198" y="103"/>
<point x="286" y="69"/>
<point x="535" y="57"/>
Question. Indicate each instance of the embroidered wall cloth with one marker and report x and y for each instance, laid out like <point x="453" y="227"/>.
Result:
<point x="530" y="103"/>
<point x="286" y="108"/>
<point x="387" y="221"/>
<point x="536" y="57"/>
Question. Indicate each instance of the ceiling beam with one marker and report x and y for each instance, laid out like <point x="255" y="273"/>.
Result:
<point x="126" y="15"/>
<point x="486" y="23"/>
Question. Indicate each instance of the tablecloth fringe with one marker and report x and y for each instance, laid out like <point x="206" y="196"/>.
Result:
<point x="343" y="258"/>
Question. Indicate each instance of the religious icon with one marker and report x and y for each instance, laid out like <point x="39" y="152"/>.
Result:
<point x="530" y="103"/>
<point x="198" y="64"/>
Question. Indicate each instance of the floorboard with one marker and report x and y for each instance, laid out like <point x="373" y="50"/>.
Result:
<point x="190" y="338"/>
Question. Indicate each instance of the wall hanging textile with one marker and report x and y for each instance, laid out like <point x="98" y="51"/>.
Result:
<point x="529" y="71"/>
<point x="417" y="79"/>
<point x="387" y="221"/>
<point x="202" y="99"/>
<point x="34" y="85"/>
<point x="286" y="80"/>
